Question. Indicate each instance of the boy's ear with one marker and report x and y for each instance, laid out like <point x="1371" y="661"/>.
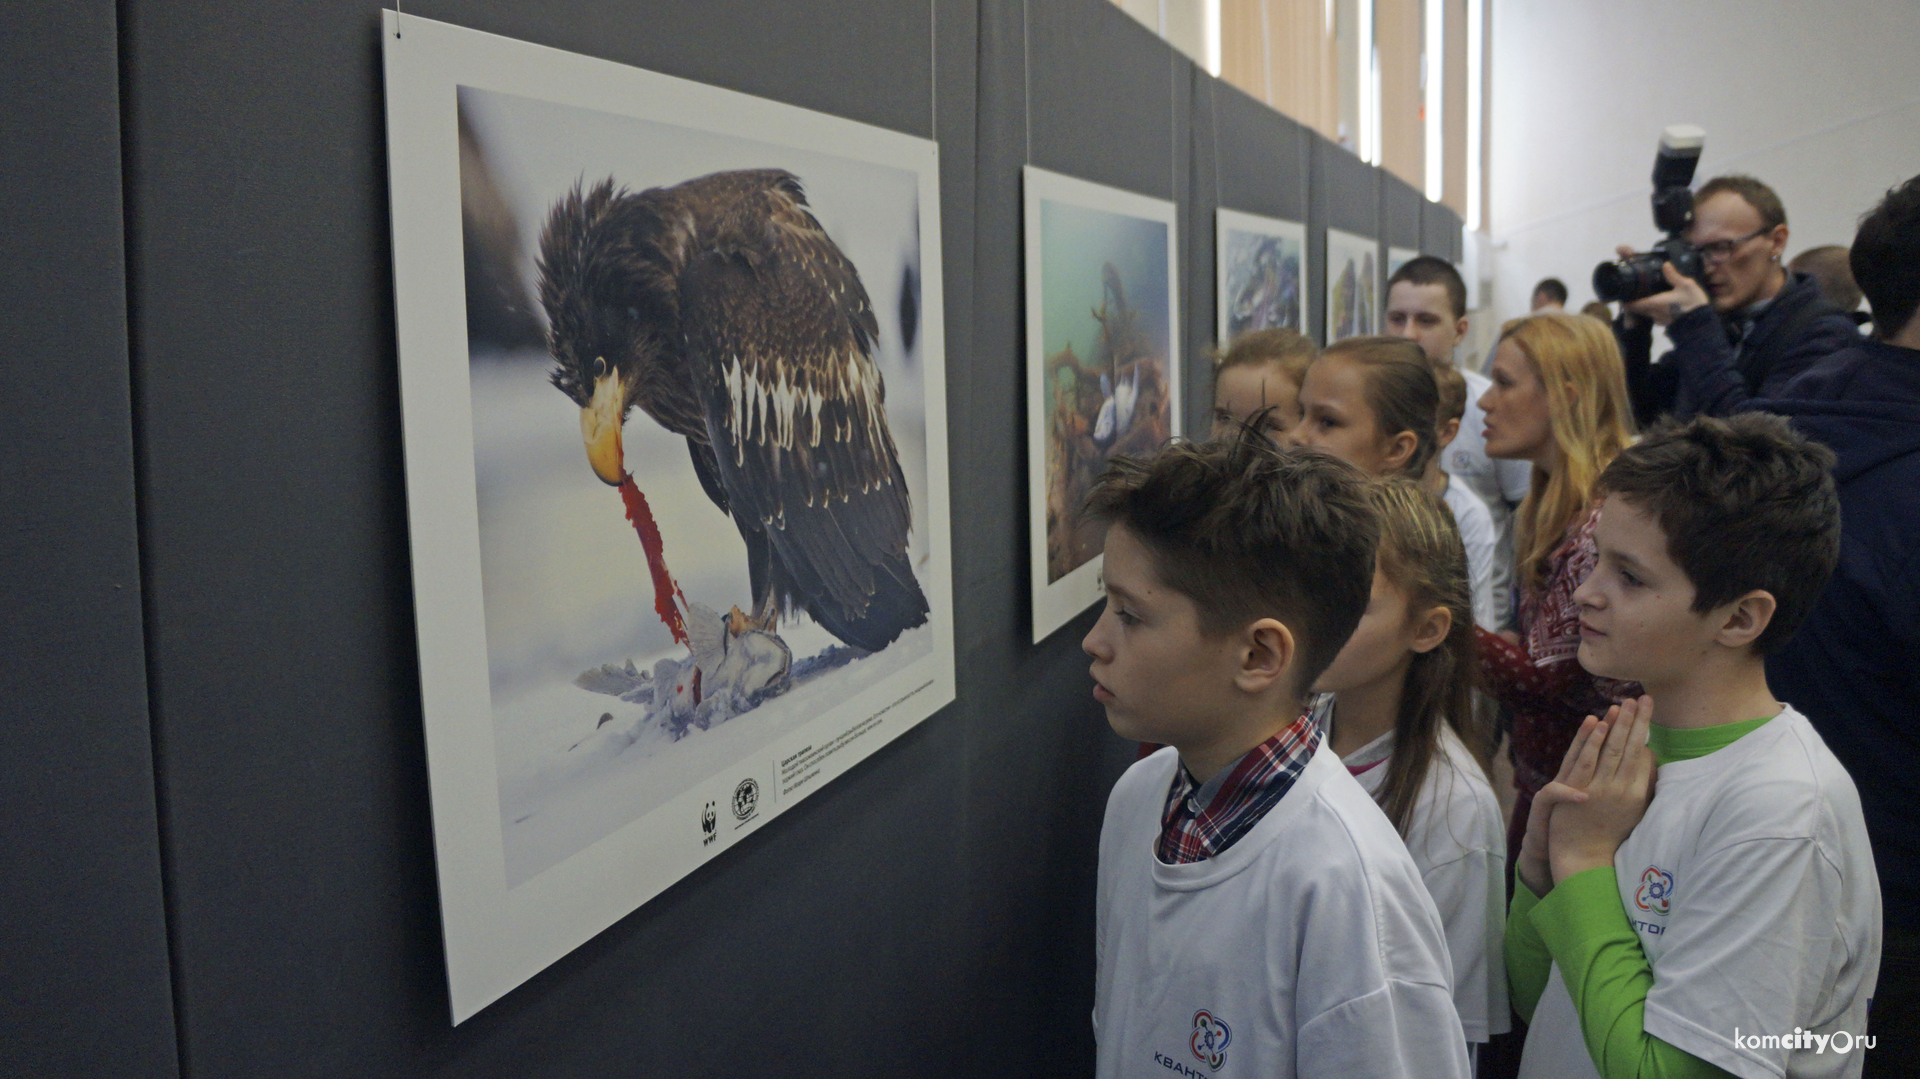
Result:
<point x="1268" y="649"/>
<point x="1447" y="433"/>
<point x="1745" y="619"/>
<point x="1433" y="629"/>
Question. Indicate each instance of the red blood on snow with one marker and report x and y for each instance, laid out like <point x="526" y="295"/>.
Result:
<point x="665" y="590"/>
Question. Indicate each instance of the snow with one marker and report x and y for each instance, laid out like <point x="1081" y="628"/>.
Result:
<point x="566" y="780"/>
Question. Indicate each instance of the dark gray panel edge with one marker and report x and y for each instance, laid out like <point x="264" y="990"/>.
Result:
<point x="84" y="944"/>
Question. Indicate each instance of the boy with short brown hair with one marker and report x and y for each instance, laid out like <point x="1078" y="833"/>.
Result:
<point x="1254" y="905"/>
<point x="1728" y="922"/>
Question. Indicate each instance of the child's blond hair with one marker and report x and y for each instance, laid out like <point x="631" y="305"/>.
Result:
<point x="1289" y="350"/>
<point x="1421" y="555"/>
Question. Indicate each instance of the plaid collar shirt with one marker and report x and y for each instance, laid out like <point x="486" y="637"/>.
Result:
<point x="1201" y="820"/>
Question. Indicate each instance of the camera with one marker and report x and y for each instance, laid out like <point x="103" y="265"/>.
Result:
<point x="1639" y="276"/>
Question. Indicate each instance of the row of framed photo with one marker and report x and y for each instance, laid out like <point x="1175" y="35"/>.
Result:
<point x="1103" y="356"/>
<point x="672" y="373"/>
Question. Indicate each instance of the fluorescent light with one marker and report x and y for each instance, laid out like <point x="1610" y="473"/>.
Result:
<point x="1367" y="70"/>
<point x="1434" y="70"/>
<point x="1211" y="36"/>
<point x="1476" y="90"/>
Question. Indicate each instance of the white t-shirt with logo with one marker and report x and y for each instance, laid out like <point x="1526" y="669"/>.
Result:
<point x="1458" y="840"/>
<point x="1308" y="948"/>
<point x="1752" y="888"/>
<point x="1501" y="484"/>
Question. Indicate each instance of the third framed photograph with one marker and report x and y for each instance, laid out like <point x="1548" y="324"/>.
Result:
<point x="1261" y="275"/>
<point x="1353" y="286"/>
<point x="1103" y="367"/>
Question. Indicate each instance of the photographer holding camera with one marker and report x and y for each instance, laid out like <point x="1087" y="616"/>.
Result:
<point x="1744" y="327"/>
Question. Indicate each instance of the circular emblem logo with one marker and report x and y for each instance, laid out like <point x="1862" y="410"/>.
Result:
<point x="1210" y="1038"/>
<point x="745" y="797"/>
<point x="1655" y="892"/>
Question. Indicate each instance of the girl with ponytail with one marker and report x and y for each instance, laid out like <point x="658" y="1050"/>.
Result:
<point x="1397" y="708"/>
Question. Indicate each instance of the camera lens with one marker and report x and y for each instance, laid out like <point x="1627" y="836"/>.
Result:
<point x="1608" y="277"/>
<point x="1631" y="278"/>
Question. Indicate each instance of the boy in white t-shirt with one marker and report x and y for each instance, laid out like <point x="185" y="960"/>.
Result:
<point x="1729" y="923"/>
<point x="1256" y="913"/>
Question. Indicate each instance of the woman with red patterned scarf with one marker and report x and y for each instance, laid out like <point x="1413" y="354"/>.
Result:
<point x="1559" y="399"/>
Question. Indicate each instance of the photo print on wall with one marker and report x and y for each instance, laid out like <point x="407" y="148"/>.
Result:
<point x="1103" y="367"/>
<point x="1398" y="257"/>
<point x="1261" y="275"/>
<point x="672" y="380"/>
<point x="1353" y="286"/>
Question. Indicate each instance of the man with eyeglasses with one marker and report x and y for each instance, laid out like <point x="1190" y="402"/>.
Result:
<point x="1751" y="328"/>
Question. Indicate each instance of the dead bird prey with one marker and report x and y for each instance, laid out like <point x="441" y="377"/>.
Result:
<point x="723" y="310"/>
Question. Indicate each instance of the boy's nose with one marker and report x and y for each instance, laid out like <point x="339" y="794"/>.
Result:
<point x="1586" y="595"/>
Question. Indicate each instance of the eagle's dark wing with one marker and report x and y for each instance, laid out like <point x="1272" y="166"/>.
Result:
<point x="779" y="332"/>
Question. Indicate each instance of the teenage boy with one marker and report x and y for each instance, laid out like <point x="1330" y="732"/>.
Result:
<point x="1427" y="304"/>
<point x="1730" y="923"/>
<point x="1256" y="912"/>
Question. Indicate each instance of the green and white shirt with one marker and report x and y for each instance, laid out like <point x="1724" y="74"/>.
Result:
<point x="1750" y="892"/>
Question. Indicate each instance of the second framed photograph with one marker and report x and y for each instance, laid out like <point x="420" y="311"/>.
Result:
<point x="1260" y="277"/>
<point x="1398" y="257"/>
<point x="1353" y="286"/>
<point x="1103" y="368"/>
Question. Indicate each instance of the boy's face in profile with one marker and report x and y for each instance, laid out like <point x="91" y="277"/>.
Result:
<point x="1160" y="678"/>
<point x="1636" y="621"/>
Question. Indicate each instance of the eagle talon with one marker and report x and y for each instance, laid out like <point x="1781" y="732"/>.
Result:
<point x="739" y="622"/>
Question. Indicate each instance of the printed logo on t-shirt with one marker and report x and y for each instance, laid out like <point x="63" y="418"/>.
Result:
<point x="1210" y="1038"/>
<point x="1656" y="889"/>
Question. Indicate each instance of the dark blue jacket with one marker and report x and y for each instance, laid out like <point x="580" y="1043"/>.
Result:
<point x="1854" y="665"/>
<point x="1701" y="376"/>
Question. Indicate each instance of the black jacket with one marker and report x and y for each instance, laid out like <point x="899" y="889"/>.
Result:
<point x="1702" y="377"/>
<point x="1853" y="667"/>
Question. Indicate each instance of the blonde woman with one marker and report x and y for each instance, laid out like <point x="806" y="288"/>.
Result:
<point x="1559" y="400"/>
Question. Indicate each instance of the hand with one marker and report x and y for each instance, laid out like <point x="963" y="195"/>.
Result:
<point x="1618" y="779"/>
<point x="1532" y="867"/>
<point x="1663" y="307"/>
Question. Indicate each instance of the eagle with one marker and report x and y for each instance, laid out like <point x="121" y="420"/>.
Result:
<point x="722" y="309"/>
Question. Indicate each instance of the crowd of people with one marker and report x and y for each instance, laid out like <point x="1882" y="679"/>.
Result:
<point x="1555" y="718"/>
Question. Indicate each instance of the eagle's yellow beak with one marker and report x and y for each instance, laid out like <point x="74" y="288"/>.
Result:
<point x="600" y="427"/>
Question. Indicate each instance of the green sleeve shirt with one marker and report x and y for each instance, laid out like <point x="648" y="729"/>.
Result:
<point x="1582" y="926"/>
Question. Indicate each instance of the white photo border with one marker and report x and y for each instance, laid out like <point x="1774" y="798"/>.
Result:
<point x="496" y="937"/>
<point x="1349" y="241"/>
<point x="1056" y="604"/>
<point x="1238" y="221"/>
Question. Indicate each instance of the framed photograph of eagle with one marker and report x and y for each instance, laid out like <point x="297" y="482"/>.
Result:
<point x="672" y="381"/>
<point x="1103" y="366"/>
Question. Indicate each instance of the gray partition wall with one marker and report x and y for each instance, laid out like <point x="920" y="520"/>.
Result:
<point x="1440" y="232"/>
<point x="1246" y="157"/>
<point x="83" y="945"/>
<point x="1400" y="216"/>
<point x="218" y="861"/>
<point x="1345" y="195"/>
